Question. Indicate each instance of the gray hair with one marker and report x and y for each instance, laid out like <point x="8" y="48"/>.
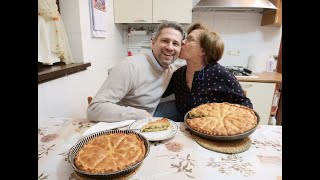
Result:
<point x="168" y="24"/>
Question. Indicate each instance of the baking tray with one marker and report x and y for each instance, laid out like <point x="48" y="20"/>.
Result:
<point x="74" y="150"/>
<point x="222" y="138"/>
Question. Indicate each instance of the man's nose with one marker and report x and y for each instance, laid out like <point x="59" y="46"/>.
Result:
<point x="170" y="46"/>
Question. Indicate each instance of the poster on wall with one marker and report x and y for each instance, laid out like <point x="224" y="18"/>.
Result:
<point x="98" y="18"/>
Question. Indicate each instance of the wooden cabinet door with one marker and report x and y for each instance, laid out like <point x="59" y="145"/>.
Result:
<point x="273" y="17"/>
<point x="132" y="11"/>
<point x="261" y="96"/>
<point x="172" y="10"/>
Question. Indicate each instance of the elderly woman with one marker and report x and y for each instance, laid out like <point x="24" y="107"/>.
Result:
<point x="203" y="79"/>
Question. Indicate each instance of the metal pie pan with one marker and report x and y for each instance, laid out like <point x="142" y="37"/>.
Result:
<point x="75" y="149"/>
<point x="222" y="138"/>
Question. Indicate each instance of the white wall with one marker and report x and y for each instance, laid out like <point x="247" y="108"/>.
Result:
<point x="242" y="34"/>
<point x="67" y="96"/>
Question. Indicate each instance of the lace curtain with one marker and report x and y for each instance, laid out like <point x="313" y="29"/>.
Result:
<point x="53" y="43"/>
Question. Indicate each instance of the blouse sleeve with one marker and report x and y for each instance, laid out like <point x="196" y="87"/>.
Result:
<point x="235" y="93"/>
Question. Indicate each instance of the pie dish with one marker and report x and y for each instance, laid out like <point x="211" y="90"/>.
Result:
<point x="221" y="119"/>
<point x="157" y="125"/>
<point x="109" y="153"/>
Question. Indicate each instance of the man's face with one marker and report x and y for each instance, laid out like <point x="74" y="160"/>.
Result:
<point x="167" y="47"/>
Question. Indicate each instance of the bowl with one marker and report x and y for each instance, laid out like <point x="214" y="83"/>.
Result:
<point x="222" y="138"/>
<point x="75" y="149"/>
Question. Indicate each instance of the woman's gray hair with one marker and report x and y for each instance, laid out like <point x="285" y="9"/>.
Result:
<point x="168" y="24"/>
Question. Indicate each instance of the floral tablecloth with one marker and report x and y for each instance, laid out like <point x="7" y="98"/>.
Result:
<point x="177" y="158"/>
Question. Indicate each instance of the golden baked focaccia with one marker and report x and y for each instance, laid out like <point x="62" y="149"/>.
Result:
<point x="222" y="119"/>
<point x="157" y="125"/>
<point x="110" y="153"/>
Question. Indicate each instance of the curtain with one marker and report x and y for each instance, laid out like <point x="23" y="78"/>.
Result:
<point x="53" y="43"/>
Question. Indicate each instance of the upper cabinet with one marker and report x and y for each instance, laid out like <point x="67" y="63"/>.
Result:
<point x="152" y="11"/>
<point x="132" y="11"/>
<point x="273" y="17"/>
<point x="172" y="10"/>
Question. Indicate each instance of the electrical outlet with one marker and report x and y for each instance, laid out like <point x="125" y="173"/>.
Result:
<point x="233" y="53"/>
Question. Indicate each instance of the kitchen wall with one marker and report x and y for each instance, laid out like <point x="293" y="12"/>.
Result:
<point x="243" y="35"/>
<point x="67" y="96"/>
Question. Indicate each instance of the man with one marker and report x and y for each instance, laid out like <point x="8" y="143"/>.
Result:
<point x="134" y="87"/>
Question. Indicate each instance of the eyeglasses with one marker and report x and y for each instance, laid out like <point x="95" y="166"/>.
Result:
<point x="189" y="39"/>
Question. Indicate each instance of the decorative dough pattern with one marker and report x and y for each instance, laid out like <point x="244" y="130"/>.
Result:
<point x="110" y="153"/>
<point x="222" y="119"/>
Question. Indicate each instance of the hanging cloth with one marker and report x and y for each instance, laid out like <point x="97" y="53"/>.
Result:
<point x="53" y="43"/>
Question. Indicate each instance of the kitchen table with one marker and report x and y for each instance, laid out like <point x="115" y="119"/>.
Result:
<point x="177" y="158"/>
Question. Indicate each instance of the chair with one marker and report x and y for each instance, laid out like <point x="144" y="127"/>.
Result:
<point x="89" y="98"/>
<point x="245" y="92"/>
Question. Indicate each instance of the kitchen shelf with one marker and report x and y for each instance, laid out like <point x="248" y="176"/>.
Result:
<point x="58" y="70"/>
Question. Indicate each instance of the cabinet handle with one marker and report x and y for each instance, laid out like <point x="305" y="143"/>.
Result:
<point x="276" y="19"/>
<point x="161" y="20"/>
<point x="246" y="85"/>
<point x="140" y="20"/>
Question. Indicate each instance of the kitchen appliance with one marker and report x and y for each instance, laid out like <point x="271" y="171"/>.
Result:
<point x="239" y="70"/>
<point x="257" y="62"/>
<point x="259" y="6"/>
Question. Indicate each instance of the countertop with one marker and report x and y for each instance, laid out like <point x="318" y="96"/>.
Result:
<point x="264" y="77"/>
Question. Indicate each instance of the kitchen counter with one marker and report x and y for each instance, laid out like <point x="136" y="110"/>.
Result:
<point x="177" y="158"/>
<point x="265" y="77"/>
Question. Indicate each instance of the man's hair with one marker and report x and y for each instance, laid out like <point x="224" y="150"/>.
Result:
<point x="210" y="41"/>
<point x="168" y="24"/>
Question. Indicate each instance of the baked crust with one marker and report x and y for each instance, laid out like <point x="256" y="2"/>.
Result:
<point x="222" y="119"/>
<point x="157" y="125"/>
<point x="110" y="153"/>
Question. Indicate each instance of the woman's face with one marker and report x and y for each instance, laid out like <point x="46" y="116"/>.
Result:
<point x="191" y="48"/>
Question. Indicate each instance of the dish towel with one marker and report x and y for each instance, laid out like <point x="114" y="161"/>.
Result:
<point x="101" y="126"/>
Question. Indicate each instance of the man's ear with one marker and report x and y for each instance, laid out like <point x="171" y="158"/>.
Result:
<point x="152" y="42"/>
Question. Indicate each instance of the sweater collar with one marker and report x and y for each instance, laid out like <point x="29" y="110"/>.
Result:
<point x="154" y="63"/>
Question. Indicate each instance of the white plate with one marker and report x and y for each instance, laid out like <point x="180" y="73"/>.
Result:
<point x="155" y="136"/>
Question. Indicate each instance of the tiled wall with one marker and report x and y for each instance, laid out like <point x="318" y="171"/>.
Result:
<point x="242" y="34"/>
<point x="241" y="31"/>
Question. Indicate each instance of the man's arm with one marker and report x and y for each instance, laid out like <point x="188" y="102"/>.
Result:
<point x="118" y="84"/>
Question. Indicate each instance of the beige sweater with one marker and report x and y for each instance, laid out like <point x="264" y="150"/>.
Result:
<point x="133" y="87"/>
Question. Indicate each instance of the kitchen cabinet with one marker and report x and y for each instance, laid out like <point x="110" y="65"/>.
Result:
<point x="152" y="11"/>
<point x="261" y="96"/>
<point x="132" y="11"/>
<point x="273" y="18"/>
<point x="172" y="10"/>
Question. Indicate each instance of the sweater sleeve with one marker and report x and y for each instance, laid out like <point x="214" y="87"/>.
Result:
<point x="118" y="84"/>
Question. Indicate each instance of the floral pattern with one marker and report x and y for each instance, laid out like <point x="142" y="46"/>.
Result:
<point x="267" y="144"/>
<point x="227" y="165"/>
<point x="81" y="126"/>
<point x="178" y="155"/>
<point x="182" y="164"/>
<point x="174" y="146"/>
<point x="42" y="176"/>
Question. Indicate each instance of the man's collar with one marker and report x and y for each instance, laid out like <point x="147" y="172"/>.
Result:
<point x="154" y="62"/>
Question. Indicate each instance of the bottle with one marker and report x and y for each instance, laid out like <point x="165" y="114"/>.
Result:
<point x="270" y="62"/>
